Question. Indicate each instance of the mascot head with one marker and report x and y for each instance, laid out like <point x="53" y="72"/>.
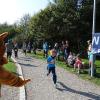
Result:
<point x="2" y="47"/>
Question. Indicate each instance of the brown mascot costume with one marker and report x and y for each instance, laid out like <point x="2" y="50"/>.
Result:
<point x="7" y="77"/>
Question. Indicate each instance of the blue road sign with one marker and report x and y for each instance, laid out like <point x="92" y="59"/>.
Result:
<point x="96" y="43"/>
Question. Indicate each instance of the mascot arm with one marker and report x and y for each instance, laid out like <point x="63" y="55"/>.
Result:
<point x="6" y="77"/>
<point x="11" y="79"/>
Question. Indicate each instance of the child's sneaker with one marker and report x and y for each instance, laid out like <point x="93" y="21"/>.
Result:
<point x="47" y="74"/>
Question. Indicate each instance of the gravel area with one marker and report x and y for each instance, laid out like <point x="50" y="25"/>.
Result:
<point x="41" y="87"/>
<point x="9" y="93"/>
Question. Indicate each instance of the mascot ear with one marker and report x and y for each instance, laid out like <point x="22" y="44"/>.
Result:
<point x="3" y="35"/>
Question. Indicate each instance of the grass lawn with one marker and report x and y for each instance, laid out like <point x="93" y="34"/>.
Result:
<point x="10" y="66"/>
<point x="95" y="79"/>
<point x="84" y="75"/>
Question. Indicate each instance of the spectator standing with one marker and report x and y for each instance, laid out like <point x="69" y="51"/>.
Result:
<point x="24" y="47"/>
<point x="45" y="49"/>
<point x="66" y="50"/>
<point x="56" y="47"/>
<point x="16" y="50"/>
<point x="91" y="57"/>
<point x="9" y="48"/>
<point x="34" y="47"/>
<point x="29" y="48"/>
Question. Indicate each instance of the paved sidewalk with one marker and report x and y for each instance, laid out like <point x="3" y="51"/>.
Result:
<point x="41" y="87"/>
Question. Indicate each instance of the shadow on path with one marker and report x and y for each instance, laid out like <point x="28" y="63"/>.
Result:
<point x="25" y="58"/>
<point x="27" y="65"/>
<point x="89" y="94"/>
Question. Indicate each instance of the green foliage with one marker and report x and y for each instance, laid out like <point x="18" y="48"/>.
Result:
<point x="60" y="20"/>
<point x="8" y="28"/>
<point x="23" y="26"/>
<point x="10" y="67"/>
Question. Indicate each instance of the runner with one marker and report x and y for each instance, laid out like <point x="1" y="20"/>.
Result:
<point x="51" y="66"/>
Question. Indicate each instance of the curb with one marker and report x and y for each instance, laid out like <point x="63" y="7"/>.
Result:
<point x="22" y="95"/>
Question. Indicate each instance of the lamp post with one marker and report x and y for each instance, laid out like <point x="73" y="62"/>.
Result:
<point x="93" y="32"/>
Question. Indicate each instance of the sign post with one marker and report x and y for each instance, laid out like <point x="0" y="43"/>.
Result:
<point x="93" y="31"/>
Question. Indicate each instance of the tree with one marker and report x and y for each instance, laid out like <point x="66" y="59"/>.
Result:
<point x="61" y="20"/>
<point x="23" y="26"/>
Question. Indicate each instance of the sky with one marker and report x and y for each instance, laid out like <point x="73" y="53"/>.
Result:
<point x="12" y="10"/>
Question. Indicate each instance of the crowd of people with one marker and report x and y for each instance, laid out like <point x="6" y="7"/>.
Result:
<point x="64" y="53"/>
<point x="60" y="51"/>
<point x="69" y="57"/>
<point x="12" y="46"/>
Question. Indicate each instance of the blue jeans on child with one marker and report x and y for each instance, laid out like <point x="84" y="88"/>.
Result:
<point x="52" y="69"/>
